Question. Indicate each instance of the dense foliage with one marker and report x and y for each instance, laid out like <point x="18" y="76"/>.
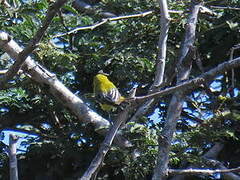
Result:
<point x="127" y="50"/>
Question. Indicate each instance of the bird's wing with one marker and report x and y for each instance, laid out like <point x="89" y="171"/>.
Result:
<point x="112" y="96"/>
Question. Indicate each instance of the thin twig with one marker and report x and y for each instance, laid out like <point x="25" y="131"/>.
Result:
<point x="91" y="27"/>
<point x="224" y="7"/>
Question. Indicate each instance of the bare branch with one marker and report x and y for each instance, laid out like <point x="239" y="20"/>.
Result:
<point x="91" y="27"/>
<point x="3" y="71"/>
<point x="231" y="58"/>
<point x="105" y="146"/>
<point x="201" y="171"/>
<point x="82" y="6"/>
<point x="12" y="157"/>
<point x="32" y="44"/>
<point x="5" y="3"/>
<point x="175" y="106"/>
<point x="224" y="7"/>
<point x="160" y="62"/>
<point x="193" y="83"/>
<point x="212" y="153"/>
<point x="225" y="175"/>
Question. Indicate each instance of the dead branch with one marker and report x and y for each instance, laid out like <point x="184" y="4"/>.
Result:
<point x="91" y="27"/>
<point x="105" y="146"/>
<point x="175" y="107"/>
<point x="160" y="61"/>
<point x="186" y="85"/>
<point x="12" y="157"/>
<point x="192" y="171"/>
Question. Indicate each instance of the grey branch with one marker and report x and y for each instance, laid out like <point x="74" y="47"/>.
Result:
<point x="32" y="44"/>
<point x="160" y="62"/>
<point x="175" y="106"/>
<point x="12" y="157"/>
<point x="105" y="146"/>
<point x="82" y="6"/>
<point x="225" y="7"/>
<point x="193" y="83"/>
<point x="91" y="27"/>
<point x="201" y="171"/>
<point x="228" y="174"/>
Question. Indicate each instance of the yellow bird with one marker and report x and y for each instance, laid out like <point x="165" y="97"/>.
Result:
<point x="106" y="92"/>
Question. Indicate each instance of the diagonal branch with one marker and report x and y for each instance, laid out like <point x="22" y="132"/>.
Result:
<point x="32" y="44"/>
<point x="58" y="90"/>
<point x="193" y="83"/>
<point x="105" y="146"/>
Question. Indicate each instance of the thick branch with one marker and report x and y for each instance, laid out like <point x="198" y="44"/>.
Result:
<point x="32" y="44"/>
<point x="57" y="89"/>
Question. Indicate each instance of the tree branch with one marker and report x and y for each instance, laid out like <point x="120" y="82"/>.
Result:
<point x="58" y="90"/>
<point x="224" y="7"/>
<point x="225" y="175"/>
<point x="82" y="6"/>
<point x="32" y="44"/>
<point x="212" y="153"/>
<point x="160" y="62"/>
<point x="12" y="157"/>
<point x="91" y="27"/>
<point x="105" y="146"/>
<point x="175" y="106"/>
<point x="186" y="85"/>
<point x="192" y="171"/>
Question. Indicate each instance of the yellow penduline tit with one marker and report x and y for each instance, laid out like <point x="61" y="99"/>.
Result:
<point x="106" y="92"/>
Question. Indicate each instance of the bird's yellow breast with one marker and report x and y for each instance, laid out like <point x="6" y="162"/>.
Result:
<point x="102" y="83"/>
